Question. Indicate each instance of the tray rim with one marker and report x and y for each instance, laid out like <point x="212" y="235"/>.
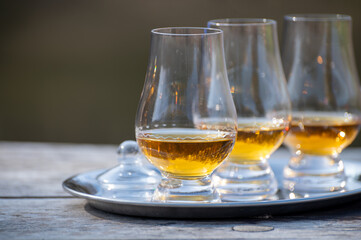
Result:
<point x="90" y="197"/>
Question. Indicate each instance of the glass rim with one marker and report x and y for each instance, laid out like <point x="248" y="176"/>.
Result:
<point x="242" y="22"/>
<point x="192" y="31"/>
<point x="317" y="17"/>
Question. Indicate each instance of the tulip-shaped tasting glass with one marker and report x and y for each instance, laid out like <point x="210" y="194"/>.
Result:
<point x="259" y="91"/>
<point x="186" y="120"/>
<point x="325" y="94"/>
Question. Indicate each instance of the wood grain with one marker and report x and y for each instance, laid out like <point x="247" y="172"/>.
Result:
<point x="38" y="169"/>
<point x="34" y="206"/>
<point x="74" y="219"/>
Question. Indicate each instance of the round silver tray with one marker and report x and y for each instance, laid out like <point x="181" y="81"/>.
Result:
<point x="86" y="186"/>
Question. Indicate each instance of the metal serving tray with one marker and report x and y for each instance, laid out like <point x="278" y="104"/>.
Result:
<point x="86" y="186"/>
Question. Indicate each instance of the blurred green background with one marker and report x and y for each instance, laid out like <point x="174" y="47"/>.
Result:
<point x="73" y="71"/>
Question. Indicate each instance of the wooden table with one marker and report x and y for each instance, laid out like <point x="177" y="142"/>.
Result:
<point x="33" y="204"/>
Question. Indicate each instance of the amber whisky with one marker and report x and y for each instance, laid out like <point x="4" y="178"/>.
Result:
<point x="322" y="135"/>
<point x="185" y="153"/>
<point x="256" y="142"/>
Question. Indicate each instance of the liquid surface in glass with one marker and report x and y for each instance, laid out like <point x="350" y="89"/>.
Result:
<point x="256" y="141"/>
<point x="185" y="153"/>
<point x="325" y="134"/>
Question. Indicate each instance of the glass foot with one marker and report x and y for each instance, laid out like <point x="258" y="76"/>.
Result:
<point x="307" y="176"/>
<point x="186" y="191"/>
<point x="245" y="182"/>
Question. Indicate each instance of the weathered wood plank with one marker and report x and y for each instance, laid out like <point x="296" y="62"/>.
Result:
<point x="38" y="169"/>
<point x="73" y="219"/>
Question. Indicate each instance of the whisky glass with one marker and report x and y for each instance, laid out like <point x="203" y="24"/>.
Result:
<point x="325" y="93"/>
<point x="259" y="91"/>
<point x="186" y="119"/>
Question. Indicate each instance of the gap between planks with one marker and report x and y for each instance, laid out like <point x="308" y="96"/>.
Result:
<point x="35" y="197"/>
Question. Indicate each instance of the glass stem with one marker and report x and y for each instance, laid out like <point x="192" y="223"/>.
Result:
<point x="191" y="191"/>
<point x="308" y="175"/>
<point x="246" y="181"/>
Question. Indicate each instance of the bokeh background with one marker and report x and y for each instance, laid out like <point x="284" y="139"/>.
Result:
<point x="73" y="71"/>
